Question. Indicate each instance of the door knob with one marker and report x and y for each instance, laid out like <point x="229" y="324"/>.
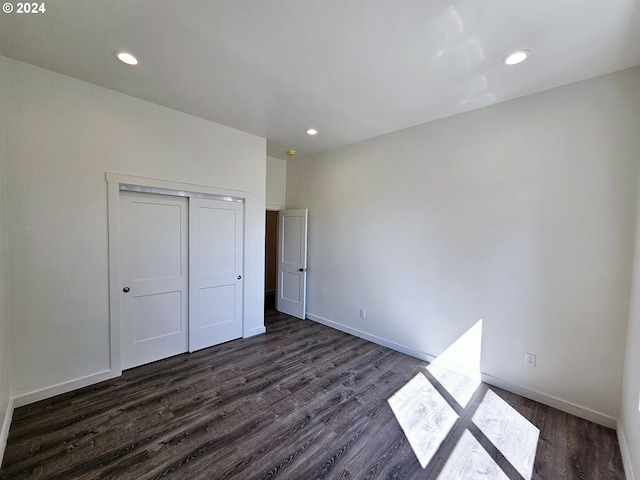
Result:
<point x="239" y="277"/>
<point x="301" y="269"/>
<point x="125" y="289"/>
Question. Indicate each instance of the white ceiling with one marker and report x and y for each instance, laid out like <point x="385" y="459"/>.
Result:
<point x="353" y="69"/>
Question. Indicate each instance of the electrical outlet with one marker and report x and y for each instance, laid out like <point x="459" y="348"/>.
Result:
<point x="363" y="313"/>
<point x="529" y="359"/>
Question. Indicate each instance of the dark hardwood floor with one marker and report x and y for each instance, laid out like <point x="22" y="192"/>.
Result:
<point x="301" y="402"/>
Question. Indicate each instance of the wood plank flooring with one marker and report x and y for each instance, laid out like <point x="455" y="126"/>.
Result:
<point x="301" y="402"/>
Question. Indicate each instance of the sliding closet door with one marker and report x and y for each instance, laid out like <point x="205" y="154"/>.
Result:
<point x="216" y="230"/>
<point x="154" y="275"/>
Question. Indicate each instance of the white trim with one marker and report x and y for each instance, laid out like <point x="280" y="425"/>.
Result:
<point x="113" y="214"/>
<point x="550" y="400"/>
<point x="274" y="207"/>
<point x="624" y="451"/>
<point x="372" y="338"/>
<point x="60" y="388"/>
<point x="170" y="185"/>
<point x="4" y="433"/>
<point x="255" y="331"/>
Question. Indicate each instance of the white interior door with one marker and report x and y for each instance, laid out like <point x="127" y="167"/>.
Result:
<point x="154" y="274"/>
<point x="216" y="230"/>
<point x="292" y="262"/>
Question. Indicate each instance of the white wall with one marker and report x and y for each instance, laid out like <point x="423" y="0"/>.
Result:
<point x="5" y="331"/>
<point x="521" y="214"/>
<point x="62" y="135"/>
<point x="629" y="423"/>
<point x="276" y="183"/>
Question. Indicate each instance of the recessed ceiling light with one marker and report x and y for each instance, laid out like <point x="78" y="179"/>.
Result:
<point x="312" y="131"/>
<point x="126" y="57"/>
<point x="516" y="57"/>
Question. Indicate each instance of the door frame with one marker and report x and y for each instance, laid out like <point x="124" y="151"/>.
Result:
<point x="272" y="208"/>
<point x="150" y="185"/>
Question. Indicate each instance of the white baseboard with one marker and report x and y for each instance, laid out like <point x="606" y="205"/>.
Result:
<point x="6" y="424"/>
<point x="626" y="455"/>
<point x="64" y="387"/>
<point x="541" y="397"/>
<point x="551" y="401"/>
<point x="255" y="331"/>
<point x="372" y="338"/>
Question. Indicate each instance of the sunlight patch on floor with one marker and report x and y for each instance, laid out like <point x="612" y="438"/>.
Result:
<point x="461" y="387"/>
<point x="469" y="461"/>
<point x="424" y="416"/>
<point x="510" y="432"/>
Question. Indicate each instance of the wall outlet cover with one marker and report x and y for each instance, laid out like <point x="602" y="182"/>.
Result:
<point x="530" y="359"/>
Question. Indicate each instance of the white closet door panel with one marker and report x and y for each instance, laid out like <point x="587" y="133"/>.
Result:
<point x="166" y="311"/>
<point x="154" y="272"/>
<point x="218" y="235"/>
<point x="216" y="230"/>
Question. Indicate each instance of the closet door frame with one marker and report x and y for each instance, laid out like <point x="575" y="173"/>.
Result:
<point x="116" y="182"/>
